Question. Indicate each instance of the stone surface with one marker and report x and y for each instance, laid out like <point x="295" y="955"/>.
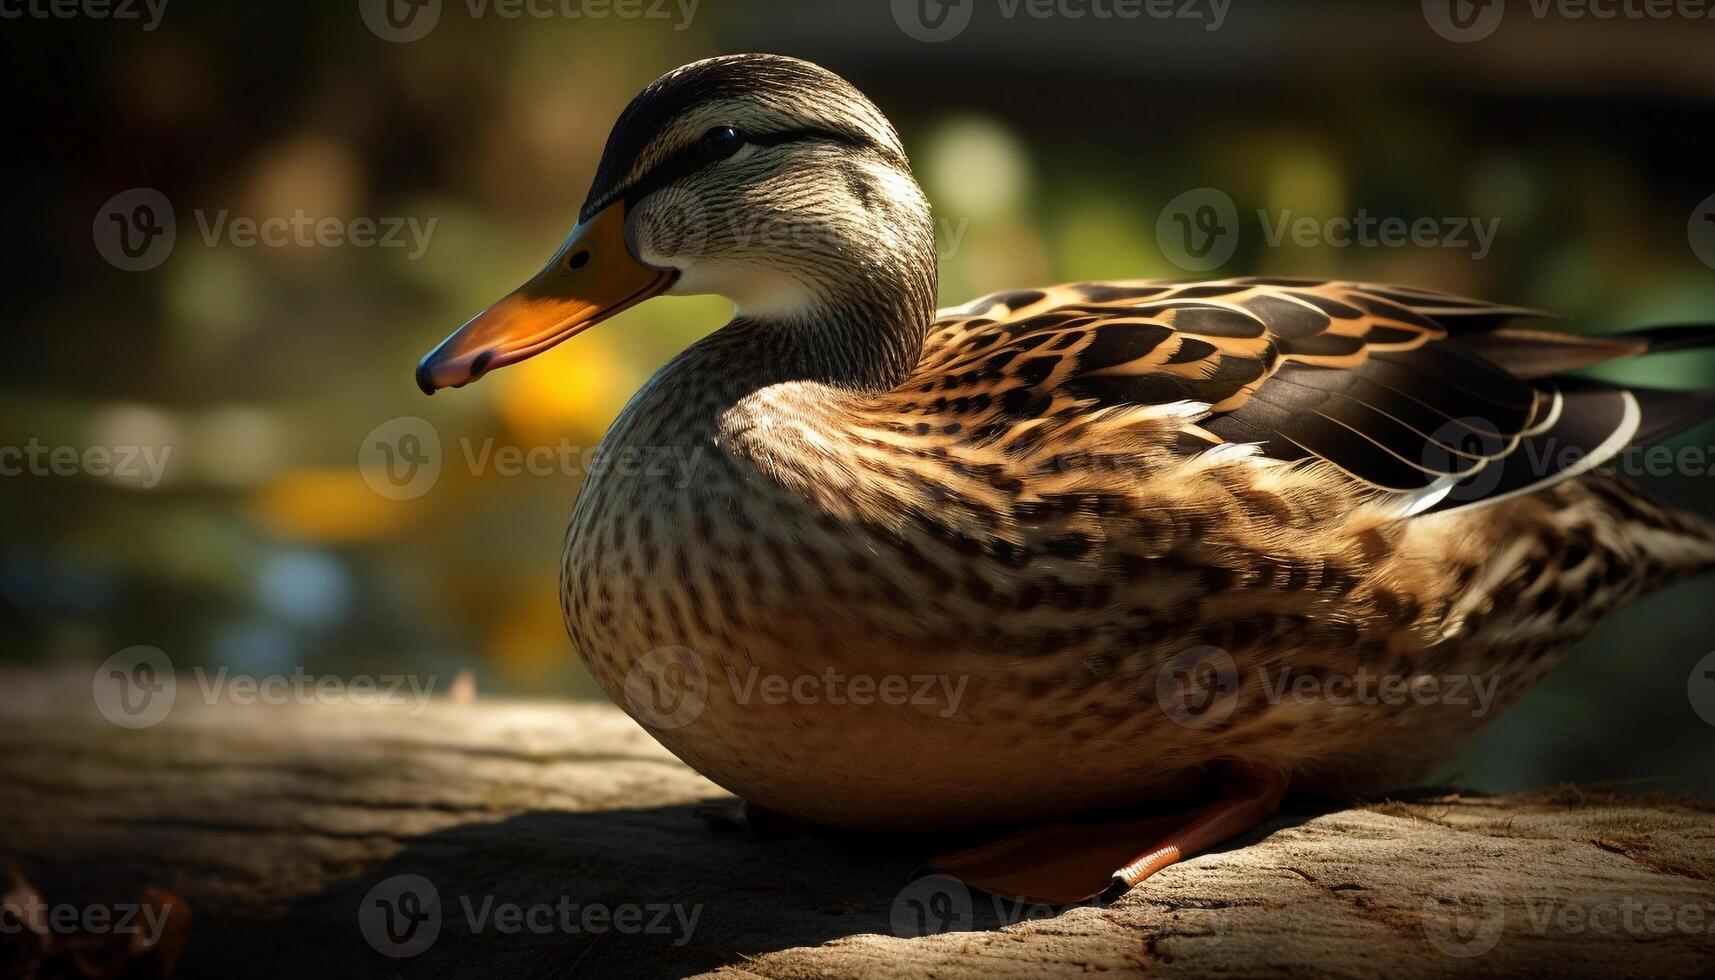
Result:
<point x="288" y="830"/>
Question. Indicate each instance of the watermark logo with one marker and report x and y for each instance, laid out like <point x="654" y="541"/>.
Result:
<point x="400" y="21"/>
<point x="401" y="458"/>
<point x="932" y="905"/>
<point x="1460" y="445"/>
<point x="1700" y="688"/>
<point x="1462" y="923"/>
<point x="671" y="227"/>
<point x="135" y="230"/>
<point x="1464" y="21"/>
<point x="940" y="903"/>
<point x="667" y="688"/>
<point x="136" y="687"/>
<point x="1701" y="231"/>
<point x="932" y="21"/>
<point x="401" y="917"/>
<point x="1199" y="229"/>
<point x="1199" y="687"/>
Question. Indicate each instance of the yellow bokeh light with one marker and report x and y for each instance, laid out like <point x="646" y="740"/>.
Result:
<point x="328" y="505"/>
<point x="574" y="391"/>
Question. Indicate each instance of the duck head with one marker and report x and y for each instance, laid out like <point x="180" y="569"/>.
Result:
<point x="767" y="180"/>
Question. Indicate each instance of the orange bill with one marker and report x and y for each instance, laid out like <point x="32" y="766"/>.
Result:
<point x="592" y="277"/>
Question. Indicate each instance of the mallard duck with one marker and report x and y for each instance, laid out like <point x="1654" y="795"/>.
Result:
<point x="1129" y="521"/>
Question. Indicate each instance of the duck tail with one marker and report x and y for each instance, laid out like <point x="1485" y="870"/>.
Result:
<point x="1670" y="544"/>
<point x="1585" y="423"/>
<point x="1533" y="354"/>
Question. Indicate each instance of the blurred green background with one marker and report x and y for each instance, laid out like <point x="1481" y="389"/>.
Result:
<point x="1049" y="147"/>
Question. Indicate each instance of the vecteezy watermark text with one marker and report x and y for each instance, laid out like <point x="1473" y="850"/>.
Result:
<point x="1630" y="915"/>
<point x="1365" y="230"/>
<point x="669" y="687"/>
<point x="1465" y="21"/>
<point x="402" y="917"/>
<point x="1372" y="688"/>
<point x="933" y="21"/>
<point x="401" y="459"/>
<point x="680" y="12"/>
<point x="1202" y="686"/>
<point x="567" y="458"/>
<point x="30" y="912"/>
<point x="1200" y="229"/>
<point x="136" y="230"/>
<point x="832" y="687"/>
<point x="681" y="227"/>
<point x="138" y="687"/>
<point x="304" y="230"/>
<point x="147" y="12"/>
<point x="403" y="21"/>
<point x="301" y="687"/>
<point x="142" y="466"/>
<point x="1464" y="922"/>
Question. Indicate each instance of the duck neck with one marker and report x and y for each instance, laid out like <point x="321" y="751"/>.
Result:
<point x="866" y="337"/>
<point x="857" y="349"/>
<point x="859" y="323"/>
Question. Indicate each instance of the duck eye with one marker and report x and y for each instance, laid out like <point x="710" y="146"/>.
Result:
<point x="722" y="142"/>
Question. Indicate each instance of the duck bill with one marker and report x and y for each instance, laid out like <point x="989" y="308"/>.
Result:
<point x="592" y="277"/>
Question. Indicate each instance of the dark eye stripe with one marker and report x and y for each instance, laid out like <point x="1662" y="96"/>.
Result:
<point x="806" y="135"/>
<point x="688" y="160"/>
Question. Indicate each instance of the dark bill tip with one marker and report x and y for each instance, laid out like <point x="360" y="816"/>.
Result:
<point x="425" y="377"/>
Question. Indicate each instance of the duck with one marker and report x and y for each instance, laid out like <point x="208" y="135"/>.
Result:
<point x="1170" y="551"/>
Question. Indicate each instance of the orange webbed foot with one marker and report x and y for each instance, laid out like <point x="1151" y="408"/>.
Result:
<point x="1067" y="863"/>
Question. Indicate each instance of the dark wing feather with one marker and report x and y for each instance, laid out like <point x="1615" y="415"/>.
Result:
<point x="1358" y="375"/>
<point x="1588" y="424"/>
<point x="1542" y="353"/>
<point x="1404" y="389"/>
